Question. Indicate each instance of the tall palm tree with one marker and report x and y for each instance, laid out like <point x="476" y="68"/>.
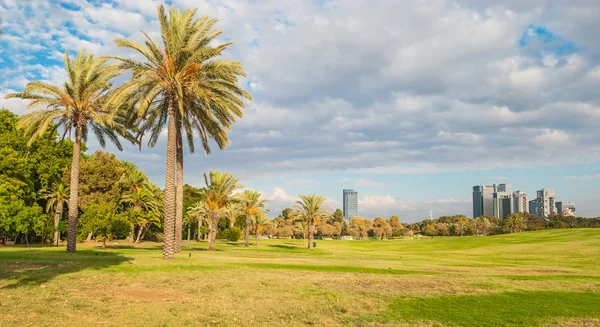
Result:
<point x="251" y="205"/>
<point x="232" y="211"/>
<point x="259" y="221"/>
<point x="181" y="84"/>
<point x="515" y="222"/>
<point x="312" y="210"/>
<point x="56" y="197"/>
<point x="78" y="105"/>
<point x="217" y="194"/>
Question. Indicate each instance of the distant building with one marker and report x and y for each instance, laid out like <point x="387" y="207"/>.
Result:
<point x="533" y="207"/>
<point x="520" y="201"/>
<point x="492" y="200"/>
<point x="545" y="202"/>
<point x="350" y="204"/>
<point x="565" y="208"/>
<point x="483" y="200"/>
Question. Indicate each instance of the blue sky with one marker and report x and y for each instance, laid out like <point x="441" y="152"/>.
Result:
<point x="409" y="103"/>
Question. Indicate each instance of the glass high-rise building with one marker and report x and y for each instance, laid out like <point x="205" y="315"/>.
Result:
<point x="350" y="204"/>
<point x="483" y="200"/>
<point x="533" y="207"/>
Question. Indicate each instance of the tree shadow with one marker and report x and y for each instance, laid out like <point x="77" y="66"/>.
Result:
<point x="287" y="247"/>
<point x="30" y="267"/>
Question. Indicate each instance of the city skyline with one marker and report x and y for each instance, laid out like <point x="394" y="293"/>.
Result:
<point x="431" y="113"/>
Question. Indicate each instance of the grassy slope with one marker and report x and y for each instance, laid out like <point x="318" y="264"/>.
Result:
<point x="526" y="279"/>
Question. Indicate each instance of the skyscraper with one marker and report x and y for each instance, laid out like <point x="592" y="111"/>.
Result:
<point x="545" y="202"/>
<point x="350" y="204"/>
<point x="533" y="207"/>
<point x="520" y="202"/>
<point x="489" y="201"/>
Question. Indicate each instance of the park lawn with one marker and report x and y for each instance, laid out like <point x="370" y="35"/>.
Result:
<point x="543" y="278"/>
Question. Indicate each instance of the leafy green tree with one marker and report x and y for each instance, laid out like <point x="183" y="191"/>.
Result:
<point x="430" y="230"/>
<point x="76" y="106"/>
<point x="397" y="227"/>
<point x="183" y="85"/>
<point x="311" y="209"/>
<point x="381" y="228"/>
<point x="360" y="226"/>
<point x="217" y="194"/>
<point x="252" y="204"/>
<point x="144" y="207"/>
<point x="338" y="216"/>
<point x="55" y="199"/>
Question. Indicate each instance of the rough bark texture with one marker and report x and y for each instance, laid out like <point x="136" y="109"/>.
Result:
<point x="139" y="234"/>
<point x="247" y="230"/>
<point x="213" y="231"/>
<point x="73" y="196"/>
<point x="169" y="207"/>
<point x="256" y="243"/>
<point x="311" y="233"/>
<point x="59" y="208"/>
<point x="179" y="196"/>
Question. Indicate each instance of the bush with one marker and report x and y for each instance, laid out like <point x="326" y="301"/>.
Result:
<point x="234" y="234"/>
<point x="314" y="245"/>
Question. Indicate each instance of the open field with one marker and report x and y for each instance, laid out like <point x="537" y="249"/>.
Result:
<point x="545" y="278"/>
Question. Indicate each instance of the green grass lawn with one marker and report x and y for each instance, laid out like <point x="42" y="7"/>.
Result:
<point x="545" y="278"/>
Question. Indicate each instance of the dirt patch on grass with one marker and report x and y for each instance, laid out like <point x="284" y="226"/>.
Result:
<point x="576" y="322"/>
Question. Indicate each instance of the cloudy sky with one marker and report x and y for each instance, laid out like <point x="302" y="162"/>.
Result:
<point x="409" y="102"/>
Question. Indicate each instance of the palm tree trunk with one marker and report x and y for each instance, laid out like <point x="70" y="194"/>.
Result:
<point x="213" y="230"/>
<point x="73" y="196"/>
<point x="179" y="191"/>
<point x="169" y="207"/>
<point x="311" y="231"/>
<point x="189" y="232"/>
<point x="256" y="243"/>
<point x="247" y="230"/>
<point x="139" y="234"/>
<point x="59" y="208"/>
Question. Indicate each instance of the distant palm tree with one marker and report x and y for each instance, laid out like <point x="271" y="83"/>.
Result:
<point x="181" y="84"/>
<point x="217" y="194"/>
<point x="312" y="210"/>
<point x="302" y="228"/>
<point x="76" y="106"/>
<point x="199" y="210"/>
<point x="145" y="210"/>
<point x="515" y="222"/>
<point x="251" y="204"/>
<point x="56" y="197"/>
<point x="133" y="180"/>
<point x="259" y="221"/>
<point x="232" y="211"/>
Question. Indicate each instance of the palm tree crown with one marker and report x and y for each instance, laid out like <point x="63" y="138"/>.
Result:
<point x="251" y="205"/>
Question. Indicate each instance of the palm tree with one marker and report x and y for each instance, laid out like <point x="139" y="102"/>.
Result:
<point x="232" y="211"/>
<point x="259" y="221"/>
<point x="251" y="204"/>
<point x="311" y="209"/>
<point x="56" y="198"/>
<point x="181" y="84"/>
<point x="302" y="228"/>
<point x="461" y="225"/>
<point x="133" y="180"/>
<point x="515" y="222"/>
<point x="199" y="210"/>
<point x="145" y="206"/>
<point x="77" y="106"/>
<point x="217" y="194"/>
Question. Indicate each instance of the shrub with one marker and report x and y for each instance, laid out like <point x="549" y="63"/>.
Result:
<point x="234" y="234"/>
<point x="314" y="245"/>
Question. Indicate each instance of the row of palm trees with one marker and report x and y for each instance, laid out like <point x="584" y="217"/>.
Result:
<point x="179" y="83"/>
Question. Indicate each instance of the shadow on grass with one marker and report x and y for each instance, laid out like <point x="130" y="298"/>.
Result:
<point x="28" y="267"/>
<point x="287" y="247"/>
